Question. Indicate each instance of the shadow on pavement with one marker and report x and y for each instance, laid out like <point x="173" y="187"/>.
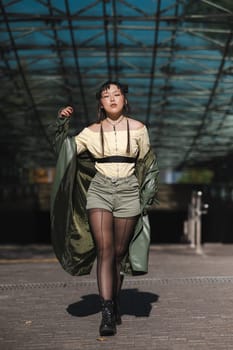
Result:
<point x="132" y="302"/>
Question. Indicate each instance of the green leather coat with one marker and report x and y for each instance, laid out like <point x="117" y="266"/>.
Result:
<point x="70" y="233"/>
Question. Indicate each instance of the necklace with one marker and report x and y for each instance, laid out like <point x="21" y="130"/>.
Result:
<point x="114" y="124"/>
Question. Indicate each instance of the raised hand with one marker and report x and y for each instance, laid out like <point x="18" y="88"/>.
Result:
<point x="66" y="112"/>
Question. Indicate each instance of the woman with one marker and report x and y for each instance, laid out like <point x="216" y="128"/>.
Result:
<point x="115" y="194"/>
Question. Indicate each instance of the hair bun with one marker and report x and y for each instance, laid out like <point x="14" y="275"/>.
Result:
<point x="124" y="88"/>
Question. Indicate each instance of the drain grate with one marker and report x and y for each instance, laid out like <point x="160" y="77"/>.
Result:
<point x="131" y="281"/>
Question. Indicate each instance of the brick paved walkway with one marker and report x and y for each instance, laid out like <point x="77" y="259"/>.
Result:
<point x="184" y="302"/>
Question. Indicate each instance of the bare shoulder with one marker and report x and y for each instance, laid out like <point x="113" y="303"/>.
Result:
<point x="135" y="124"/>
<point x="95" y="127"/>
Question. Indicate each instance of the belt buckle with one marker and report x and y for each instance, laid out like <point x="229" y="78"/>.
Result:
<point x="113" y="179"/>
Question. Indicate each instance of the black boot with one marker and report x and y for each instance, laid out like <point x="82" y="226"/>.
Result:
<point x="117" y="313"/>
<point x="108" y="323"/>
<point x="116" y="302"/>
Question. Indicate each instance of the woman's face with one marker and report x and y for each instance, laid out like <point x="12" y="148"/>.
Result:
<point x="112" y="100"/>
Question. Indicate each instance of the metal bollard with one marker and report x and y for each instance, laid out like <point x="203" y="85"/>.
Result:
<point x="194" y="227"/>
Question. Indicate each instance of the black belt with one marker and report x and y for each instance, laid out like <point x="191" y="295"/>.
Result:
<point x="116" y="159"/>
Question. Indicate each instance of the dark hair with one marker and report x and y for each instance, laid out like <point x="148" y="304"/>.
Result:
<point x="105" y="86"/>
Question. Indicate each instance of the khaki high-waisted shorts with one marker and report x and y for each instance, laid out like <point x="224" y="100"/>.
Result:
<point x="118" y="195"/>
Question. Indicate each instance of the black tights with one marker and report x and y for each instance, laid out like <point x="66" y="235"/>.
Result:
<point x="112" y="237"/>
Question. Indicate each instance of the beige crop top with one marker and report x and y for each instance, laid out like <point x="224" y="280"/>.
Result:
<point x="115" y="143"/>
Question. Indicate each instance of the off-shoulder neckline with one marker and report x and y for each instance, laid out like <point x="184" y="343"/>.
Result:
<point x="112" y="131"/>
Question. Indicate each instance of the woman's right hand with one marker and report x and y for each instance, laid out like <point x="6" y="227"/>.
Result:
<point x="66" y="112"/>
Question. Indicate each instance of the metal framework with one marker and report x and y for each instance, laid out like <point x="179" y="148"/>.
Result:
<point x="175" y="55"/>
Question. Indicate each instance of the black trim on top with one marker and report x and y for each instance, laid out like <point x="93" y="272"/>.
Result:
<point x="116" y="159"/>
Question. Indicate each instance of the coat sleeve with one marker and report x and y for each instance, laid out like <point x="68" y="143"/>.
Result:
<point x="149" y="185"/>
<point x="147" y="172"/>
<point x="58" y="132"/>
<point x="71" y="239"/>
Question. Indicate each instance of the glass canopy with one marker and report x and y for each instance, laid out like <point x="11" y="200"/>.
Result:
<point x="175" y="56"/>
